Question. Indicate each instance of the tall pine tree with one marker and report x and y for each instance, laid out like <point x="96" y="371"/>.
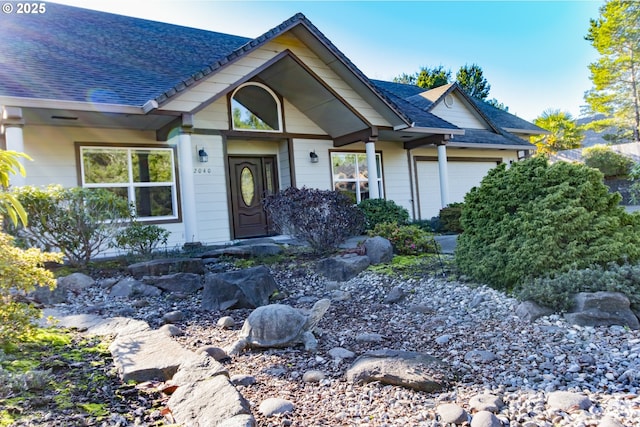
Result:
<point x="616" y="74"/>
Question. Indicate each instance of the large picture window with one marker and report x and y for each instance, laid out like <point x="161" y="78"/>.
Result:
<point x="144" y="176"/>
<point x="351" y="175"/>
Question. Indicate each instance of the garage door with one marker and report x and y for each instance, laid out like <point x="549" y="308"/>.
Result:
<point x="463" y="175"/>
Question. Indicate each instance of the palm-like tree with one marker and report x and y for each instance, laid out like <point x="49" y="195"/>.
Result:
<point x="565" y="133"/>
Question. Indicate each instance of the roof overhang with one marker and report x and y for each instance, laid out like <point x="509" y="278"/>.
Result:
<point x="454" y="144"/>
<point x="528" y="131"/>
<point x="48" y="112"/>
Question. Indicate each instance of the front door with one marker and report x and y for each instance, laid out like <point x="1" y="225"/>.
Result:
<point x="251" y="179"/>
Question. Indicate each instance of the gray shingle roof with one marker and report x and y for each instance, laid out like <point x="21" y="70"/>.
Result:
<point x="394" y="92"/>
<point x="77" y="54"/>
<point x="497" y="118"/>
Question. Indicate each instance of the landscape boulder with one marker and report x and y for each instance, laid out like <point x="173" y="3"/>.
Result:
<point x="414" y="370"/>
<point x="248" y="288"/>
<point x="343" y="268"/>
<point x="161" y="267"/>
<point x="379" y="250"/>
<point x="601" y="309"/>
<point x="130" y="287"/>
<point x="530" y="311"/>
<point x="186" y="283"/>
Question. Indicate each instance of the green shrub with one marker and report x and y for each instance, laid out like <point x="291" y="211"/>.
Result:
<point x="406" y="239"/>
<point x="535" y="219"/>
<point x="21" y="270"/>
<point x="607" y="161"/>
<point x="323" y="218"/>
<point x="377" y="211"/>
<point x="556" y="291"/>
<point x="80" y="222"/>
<point x="450" y="218"/>
<point x="141" y="239"/>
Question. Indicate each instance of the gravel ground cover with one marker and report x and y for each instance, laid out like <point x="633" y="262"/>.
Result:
<point x="472" y="328"/>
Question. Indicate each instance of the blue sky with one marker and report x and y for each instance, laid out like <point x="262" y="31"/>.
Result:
<point x="532" y="53"/>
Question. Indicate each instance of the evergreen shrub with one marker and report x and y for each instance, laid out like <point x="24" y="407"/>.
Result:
<point x="607" y="161"/>
<point x="535" y="219"/>
<point x="450" y="218"/>
<point x="323" y="218"/>
<point x="556" y="291"/>
<point x="377" y="211"/>
<point x="406" y="239"/>
<point x="140" y="238"/>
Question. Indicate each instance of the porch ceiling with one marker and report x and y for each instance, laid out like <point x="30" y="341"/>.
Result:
<point x="313" y="98"/>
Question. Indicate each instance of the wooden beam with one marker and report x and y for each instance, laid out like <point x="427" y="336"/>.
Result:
<point x="359" y="136"/>
<point x="427" y="140"/>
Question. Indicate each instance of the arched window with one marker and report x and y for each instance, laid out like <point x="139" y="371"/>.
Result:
<point x="255" y="107"/>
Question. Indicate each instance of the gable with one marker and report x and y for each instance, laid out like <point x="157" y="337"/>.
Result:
<point x="454" y="109"/>
<point x="287" y="65"/>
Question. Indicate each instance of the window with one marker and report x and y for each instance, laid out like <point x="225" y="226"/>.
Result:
<point x="255" y="107"/>
<point x="144" y="176"/>
<point x="350" y="174"/>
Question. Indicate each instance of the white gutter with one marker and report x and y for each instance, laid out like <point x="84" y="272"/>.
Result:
<point x="70" y="105"/>
<point x="434" y="130"/>
<point x="451" y="143"/>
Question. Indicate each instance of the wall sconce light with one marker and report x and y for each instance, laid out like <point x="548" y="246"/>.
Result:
<point x="313" y="157"/>
<point x="202" y="155"/>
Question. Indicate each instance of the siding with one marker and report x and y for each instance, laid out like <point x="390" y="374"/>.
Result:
<point x="459" y="114"/>
<point x="312" y="175"/>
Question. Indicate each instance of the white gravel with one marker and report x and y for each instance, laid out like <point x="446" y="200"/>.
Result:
<point x="473" y="328"/>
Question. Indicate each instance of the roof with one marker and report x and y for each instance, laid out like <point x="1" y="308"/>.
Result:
<point x="76" y="54"/>
<point x="503" y="122"/>
<point x="418" y="116"/>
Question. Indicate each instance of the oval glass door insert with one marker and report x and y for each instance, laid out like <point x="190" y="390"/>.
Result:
<point x="247" y="186"/>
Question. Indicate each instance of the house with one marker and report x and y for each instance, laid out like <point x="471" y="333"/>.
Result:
<point x="194" y="127"/>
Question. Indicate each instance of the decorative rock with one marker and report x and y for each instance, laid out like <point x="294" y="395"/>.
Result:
<point x="171" y="331"/>
<point x="486" y="402"/>
<point x="530" y="311"/>
<point x="186" y="283"/>
<point x="443" y="339"/>
<point x="47" y="296"/>
<point x="161" y="267"/>
<point x="225" y="322"/>
<point x="341" y="353"/>
<point x="413" y="370"/>
<point x="601" y="309"/>
<point x="173" y="316"/>
<point x="485" y="419"/>
<point x="450" y="413"/>
<point x="210" y="401"/>
<point x="248" y="288"/>
<point x="343" y="268"/>
<point x="479" y="356"/>
<point x="378" y="249"/>
<point x="243" y="380"/>
<point x="157" y="357"/>
<point x="608" y="421"/>
<point x="313" y="376"/>
<point x="130" y="287"/>
<point x="76" y="282"/>
<point x="369" y="337"/>
<point x="338" y="295"/>
<point x="275" y="406"/>
<point x="216" y="352"/>
<point x="565" y="400"/>
<point x="265" y="249"/>
<point x="394" y="296"/>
